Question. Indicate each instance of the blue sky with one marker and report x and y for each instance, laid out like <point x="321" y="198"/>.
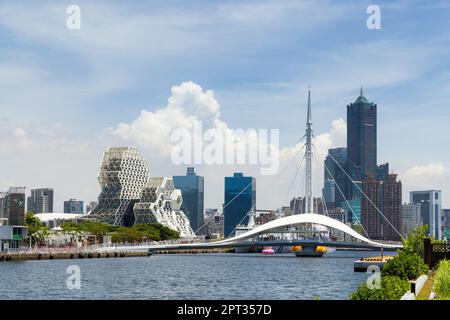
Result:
<point x="63" y="92"/>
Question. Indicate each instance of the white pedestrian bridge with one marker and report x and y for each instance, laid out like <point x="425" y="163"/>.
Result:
<point x="249" y="238"/>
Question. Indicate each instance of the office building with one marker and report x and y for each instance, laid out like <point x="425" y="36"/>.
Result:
<point x="430" y="201"/>
<point x="446" y="224"/>
<point x="411" y="217"/>
<point x="40" y="200"/>
<point x="73" y="206"/>
<point x="334" y="178"/>
<point x="192" y="189"/>
<point x="362" y="135"/>
<point x="353" y="210"/>
<point x="240" y="198"/>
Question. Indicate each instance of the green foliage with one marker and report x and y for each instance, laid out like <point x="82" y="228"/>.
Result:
<point x="139" y="232"/>
<point x="33" y="223"/>
<point x="414" y="242"/>
<point x="405" y="265"/>
<point x="441" y="279"/>
<point x="391" y="288"/>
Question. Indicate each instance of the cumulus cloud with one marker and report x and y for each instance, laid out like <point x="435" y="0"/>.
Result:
<point x="189" y="108"/>
<point x="434" y="175"/>
<point x="188" y="103"/>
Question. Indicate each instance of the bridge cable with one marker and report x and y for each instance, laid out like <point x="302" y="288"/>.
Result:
<point x="348" y="204"/>
<point x="276" y="178"/>
<point x="294" y="179"/>
<point x="362" y="192"/>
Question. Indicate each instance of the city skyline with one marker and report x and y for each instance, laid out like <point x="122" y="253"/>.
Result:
<point x="103" y="99"/>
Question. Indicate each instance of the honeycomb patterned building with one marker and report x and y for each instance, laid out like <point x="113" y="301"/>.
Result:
<point x="161" y="202"/>
<point x="129" y="196"/>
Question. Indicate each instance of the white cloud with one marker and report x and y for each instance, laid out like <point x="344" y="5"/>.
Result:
<point x="151" y="131"/>
<point x="432" y="176"/>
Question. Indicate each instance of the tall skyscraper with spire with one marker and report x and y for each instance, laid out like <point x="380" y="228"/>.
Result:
<point x="362" y="135"/>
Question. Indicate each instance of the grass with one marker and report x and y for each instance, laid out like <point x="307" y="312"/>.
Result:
<point x="424" y="294"/>
<point x="441" y="283"/>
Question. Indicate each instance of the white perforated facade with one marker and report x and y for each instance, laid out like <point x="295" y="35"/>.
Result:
<point x="160" y="202"/>
<point x="129" y="196"/>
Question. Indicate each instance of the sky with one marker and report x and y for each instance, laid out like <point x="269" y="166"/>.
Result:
<point x="136" y="71"/>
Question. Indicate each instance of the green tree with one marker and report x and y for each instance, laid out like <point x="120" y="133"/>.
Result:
<point x="414" y="242"/>
<point x="33" y="223"/>
<point x="405" y="265"/>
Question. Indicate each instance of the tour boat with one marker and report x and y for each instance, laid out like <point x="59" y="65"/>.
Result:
<point x="268" y="250"/>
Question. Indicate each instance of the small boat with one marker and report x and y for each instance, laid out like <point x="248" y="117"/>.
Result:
<point x="363" y="264"/>
<point x="268" y="250"/>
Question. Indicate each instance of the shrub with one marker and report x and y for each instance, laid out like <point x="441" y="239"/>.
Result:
<point x="414" y="242"/>
<point x="391" y="288"/>
<point x="406" y="266"/>
<point x="442" y="280"/>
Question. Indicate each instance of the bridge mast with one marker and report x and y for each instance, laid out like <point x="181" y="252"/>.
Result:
<point x="309" y="207"/>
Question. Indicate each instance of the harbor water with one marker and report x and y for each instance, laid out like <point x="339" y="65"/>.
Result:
<point x="187" y="276"/>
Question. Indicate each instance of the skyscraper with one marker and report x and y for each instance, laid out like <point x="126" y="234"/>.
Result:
<point x="73" y="206"/>
<point x="240" y="198"/>
<point x="40" y="201"/>
<point x="334" y="177"/>
<point x="370" y="217"/>
<point x="385" y="196"/>
<point x="430" y="201"/>
<point x="362" y="135"/>
<point x="392" y="208"/>
<point x="192" y="188"/>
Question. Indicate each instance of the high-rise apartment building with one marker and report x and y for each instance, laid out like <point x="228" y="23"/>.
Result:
<point x="384" y="196"/>
<point x="40" y="200"/>
<point x="392" y="208"/>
